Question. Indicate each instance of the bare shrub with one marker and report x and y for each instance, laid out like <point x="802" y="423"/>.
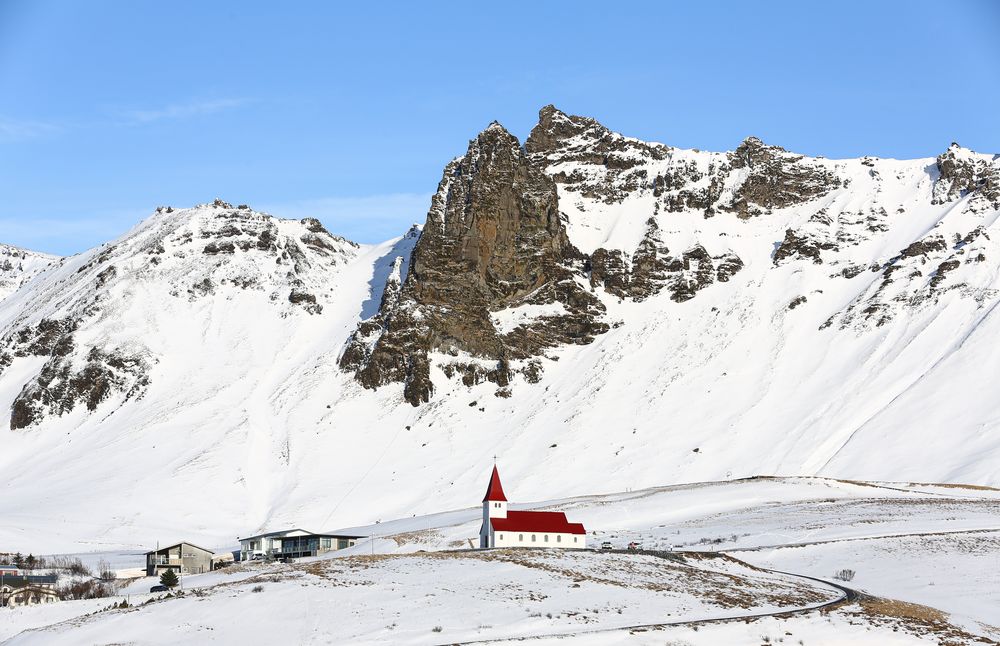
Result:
<point x="257" y="588"/>
<point x="104" y="571"/>
<point x="844" y="575"/>
<point x="88" y="589"/>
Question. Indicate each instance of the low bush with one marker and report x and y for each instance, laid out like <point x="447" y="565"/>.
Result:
<point x="844" y="575"/>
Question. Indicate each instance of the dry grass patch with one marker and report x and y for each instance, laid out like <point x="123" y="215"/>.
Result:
<point x="913" y="618"/>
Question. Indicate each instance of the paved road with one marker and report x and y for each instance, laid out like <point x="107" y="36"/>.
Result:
<point x="846" y="595"/>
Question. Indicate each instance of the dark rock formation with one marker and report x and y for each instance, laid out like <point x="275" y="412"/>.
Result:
<point x="776" y="179"/>
<point x="559" y="138"/>
<point x="802" y="246"/>
<point x="60" y="386"/>
<point x="493" y="241"/>
<point x="961" y="172"/>
<point x="609" y="167"/>
<point x="654" y="269"/>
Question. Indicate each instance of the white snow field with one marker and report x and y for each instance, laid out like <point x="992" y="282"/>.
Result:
<point x="942" y="553"/>
<point x="232" y="416"/>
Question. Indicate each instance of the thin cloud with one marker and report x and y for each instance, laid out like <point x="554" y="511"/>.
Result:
<point x="184" y="110"/>
<point x="17" y="129"/>
<point x="68" y="234"/>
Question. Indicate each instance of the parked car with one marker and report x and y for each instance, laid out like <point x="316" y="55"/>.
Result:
<point x="606" y="545"/>
<point x="159" y="588"/>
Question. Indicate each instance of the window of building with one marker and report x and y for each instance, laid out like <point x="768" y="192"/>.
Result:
<point x="326" y="543"/>
<point x="520" y="537"/>
<point x="546" y="538"/>
<point x="532" y="538"/>
<point x="574" y="539"/>
<point x="559" y="539"/>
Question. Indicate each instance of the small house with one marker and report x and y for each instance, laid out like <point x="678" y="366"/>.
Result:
<point x="182" y="558"/>
<point x="27" y="590"/>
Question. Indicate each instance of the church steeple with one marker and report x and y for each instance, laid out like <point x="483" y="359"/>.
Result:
<point x="495" y="490"/>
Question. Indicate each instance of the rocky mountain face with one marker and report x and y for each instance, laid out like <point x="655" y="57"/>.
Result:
<point x="494" y="244"/>
<point x="585" y="303"/>
<point x="17" y="266"/>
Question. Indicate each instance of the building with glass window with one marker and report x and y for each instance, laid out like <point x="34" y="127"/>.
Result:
<point x="292" y="544"/>
<point x="182" y="558"/>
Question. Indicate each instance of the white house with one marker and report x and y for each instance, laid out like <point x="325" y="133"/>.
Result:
<point x="505" y="528"/>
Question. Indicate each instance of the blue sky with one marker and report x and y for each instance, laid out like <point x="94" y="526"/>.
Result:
<point x="350" y="111"/>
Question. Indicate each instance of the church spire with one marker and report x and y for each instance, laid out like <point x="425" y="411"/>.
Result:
<point x="495" y="491"/>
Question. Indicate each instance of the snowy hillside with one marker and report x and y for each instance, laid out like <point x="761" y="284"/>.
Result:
<point x="922" y="560"/>
<point x="688" y="316"/>
<point x="17" y="266"/>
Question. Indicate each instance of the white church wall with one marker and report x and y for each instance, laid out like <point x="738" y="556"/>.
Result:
<point x="540" y="539"/>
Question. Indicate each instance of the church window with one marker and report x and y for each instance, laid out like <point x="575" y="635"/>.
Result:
<point x="520" y="537"/>
<point x="532" y="538"/>
<point x="559" y="539"/>
<point x="546" y="538"/>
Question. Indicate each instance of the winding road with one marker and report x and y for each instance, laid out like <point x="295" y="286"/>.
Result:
<point x="846" y="595"/>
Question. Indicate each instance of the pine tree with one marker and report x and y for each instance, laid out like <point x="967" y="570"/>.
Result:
<point x="169" y="578"/>
<point x="19" y="560"/>
<point x="29" y="563"/>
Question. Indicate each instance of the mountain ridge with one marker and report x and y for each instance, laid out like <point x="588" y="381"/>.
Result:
<point x="765" y="312"/>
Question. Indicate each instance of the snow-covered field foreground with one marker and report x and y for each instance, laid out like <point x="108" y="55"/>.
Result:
<point x="925" y="561"/>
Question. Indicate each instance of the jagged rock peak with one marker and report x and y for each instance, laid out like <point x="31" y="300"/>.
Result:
<point x="493" y="242"/>
<point x="965" y="172"/>
<point x="753" y="151"/>
<point x="555" y="128"/>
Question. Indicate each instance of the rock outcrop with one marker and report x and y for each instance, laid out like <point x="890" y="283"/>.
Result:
<point x="652" y="268"/>
<point x="774" y="179"/>
<point x="493" y="244"/>
<point x="961" y="172"/>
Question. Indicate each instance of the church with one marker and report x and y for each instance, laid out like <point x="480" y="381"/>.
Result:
<point x="503" y="528"/>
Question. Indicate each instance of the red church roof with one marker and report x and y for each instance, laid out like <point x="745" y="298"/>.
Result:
<point x="495" y="492"/>
<point x="552" y="522"/>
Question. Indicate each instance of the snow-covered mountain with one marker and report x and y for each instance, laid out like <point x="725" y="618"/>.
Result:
<point x="600" y="312"/>
<point x="17" y="266"/>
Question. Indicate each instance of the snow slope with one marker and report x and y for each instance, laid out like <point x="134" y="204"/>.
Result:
<point x="232" y="416"/>
<point x="17" y="266"/>
<point x="412" y="582"/>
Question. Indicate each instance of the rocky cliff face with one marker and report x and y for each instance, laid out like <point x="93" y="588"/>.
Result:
<point x="493" y="245"/>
